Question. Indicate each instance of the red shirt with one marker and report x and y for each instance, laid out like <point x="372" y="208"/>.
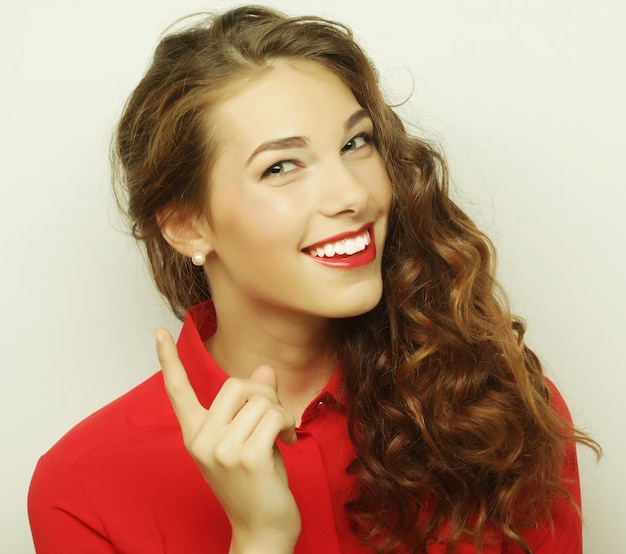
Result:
<point x="121" y="480"/>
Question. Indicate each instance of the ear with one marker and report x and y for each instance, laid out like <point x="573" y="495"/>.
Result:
<point x="188" y="235"/>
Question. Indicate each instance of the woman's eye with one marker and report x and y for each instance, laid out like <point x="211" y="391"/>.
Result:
<point x="280" y="168"/>
<point x="357" y="142"/>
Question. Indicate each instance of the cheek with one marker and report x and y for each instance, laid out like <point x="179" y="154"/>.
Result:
<point x="380" y="186"/>
<point x="386" y="193"/>
<point x="254" y="216"/>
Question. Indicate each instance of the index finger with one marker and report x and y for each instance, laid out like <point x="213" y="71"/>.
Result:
<point x="186" y="406"/>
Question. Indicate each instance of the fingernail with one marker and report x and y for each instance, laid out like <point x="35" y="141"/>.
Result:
<point x="158" y="335"/>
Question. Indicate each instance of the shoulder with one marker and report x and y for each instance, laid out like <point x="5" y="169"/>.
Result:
<point x="92" y="464"/>
<point x="134" y="413"/>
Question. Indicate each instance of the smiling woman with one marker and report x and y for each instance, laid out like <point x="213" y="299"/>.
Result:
<point x="293" y="171"/>
<point x="347" y="378"/>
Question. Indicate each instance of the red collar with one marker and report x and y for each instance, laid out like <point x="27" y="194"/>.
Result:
<point x="206" y="376"/>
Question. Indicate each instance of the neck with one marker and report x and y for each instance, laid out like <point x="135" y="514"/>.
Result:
<point x="294" y="344"/>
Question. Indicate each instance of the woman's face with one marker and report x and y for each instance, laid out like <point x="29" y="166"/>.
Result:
<point x="299" y="198"/>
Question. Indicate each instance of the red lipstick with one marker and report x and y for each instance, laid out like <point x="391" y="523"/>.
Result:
<point x="347" y="261"/>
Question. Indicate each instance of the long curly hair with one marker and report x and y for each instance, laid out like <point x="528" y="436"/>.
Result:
<point x="448" y="407"/>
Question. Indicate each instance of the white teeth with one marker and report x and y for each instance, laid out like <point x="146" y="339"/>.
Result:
<point x="347" y="246"/>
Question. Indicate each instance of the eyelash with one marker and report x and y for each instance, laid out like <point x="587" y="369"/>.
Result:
<point x="367" y="139"/>
<point x="278" y="169"/>
<point x="269" y="172"/>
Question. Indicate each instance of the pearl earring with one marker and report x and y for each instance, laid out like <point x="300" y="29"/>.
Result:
<point x="198" y="259"/>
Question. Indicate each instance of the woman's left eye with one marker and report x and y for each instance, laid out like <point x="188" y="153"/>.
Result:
<point x="280" y="168"/>
<point x="357" y="142"/>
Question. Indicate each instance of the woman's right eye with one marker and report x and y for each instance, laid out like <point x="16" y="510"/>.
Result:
<point x="280" y="168"/>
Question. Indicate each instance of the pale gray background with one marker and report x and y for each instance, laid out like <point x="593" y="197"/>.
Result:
<point x="526" y="96"/>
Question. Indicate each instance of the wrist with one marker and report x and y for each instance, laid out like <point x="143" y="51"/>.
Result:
<point x="262" y="543"/>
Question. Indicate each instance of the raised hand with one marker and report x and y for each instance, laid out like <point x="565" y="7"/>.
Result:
<point x="234" y="445"/>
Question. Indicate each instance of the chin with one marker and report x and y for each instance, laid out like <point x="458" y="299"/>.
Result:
<point x="356" y="308"/>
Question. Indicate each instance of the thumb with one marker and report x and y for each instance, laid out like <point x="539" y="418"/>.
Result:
<point x="267" y="375"/>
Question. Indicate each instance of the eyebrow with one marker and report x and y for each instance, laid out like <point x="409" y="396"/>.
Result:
<point x="301" y="142"/>
<point x="355" y="118"/>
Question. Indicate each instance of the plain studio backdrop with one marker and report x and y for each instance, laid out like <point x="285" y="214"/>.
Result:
<point x="526" y="97"/>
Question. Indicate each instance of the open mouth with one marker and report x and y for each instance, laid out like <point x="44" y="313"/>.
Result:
<point x="342" y="248"/>
<point x="351" y="251"/>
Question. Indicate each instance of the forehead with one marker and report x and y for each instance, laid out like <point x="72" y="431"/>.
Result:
<point x="294" y="97"/>
<point x="284" y="77"/>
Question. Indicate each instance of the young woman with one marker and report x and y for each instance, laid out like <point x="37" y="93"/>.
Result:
<point x="348" y="378"/>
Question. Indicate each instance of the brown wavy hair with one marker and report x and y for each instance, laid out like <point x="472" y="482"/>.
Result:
<point x="448" y="407"/>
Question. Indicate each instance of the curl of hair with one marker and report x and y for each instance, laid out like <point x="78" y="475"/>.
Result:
<point x="448" y="407"/>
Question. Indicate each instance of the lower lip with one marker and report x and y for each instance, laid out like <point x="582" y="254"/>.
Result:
<point x="355" y="261"/>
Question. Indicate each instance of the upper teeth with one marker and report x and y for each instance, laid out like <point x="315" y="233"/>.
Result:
<point x="347" y="246"/>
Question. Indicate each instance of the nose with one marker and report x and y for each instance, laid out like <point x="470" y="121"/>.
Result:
<point x="343" y="189"/>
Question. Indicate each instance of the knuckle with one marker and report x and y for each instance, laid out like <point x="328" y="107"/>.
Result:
<point x="223" y="456"/>
<point x="195" y="450"/>
<point x="260" y="401"/>
<point x="234" y="387"/>
<point x="274" y="414"/>
<point x="249" y="460"/>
